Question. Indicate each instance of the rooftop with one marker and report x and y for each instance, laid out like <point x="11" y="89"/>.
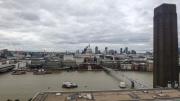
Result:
<point x="111" y="95"/>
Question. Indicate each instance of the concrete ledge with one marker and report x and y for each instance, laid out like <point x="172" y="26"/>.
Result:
<point x="115" y="95"/>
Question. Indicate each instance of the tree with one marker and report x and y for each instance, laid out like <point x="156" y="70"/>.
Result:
<point x="17" y="100"/>
<point x="9" y="100"/>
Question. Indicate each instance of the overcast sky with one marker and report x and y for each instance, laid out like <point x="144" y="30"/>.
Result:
<point x="60" y="25"/>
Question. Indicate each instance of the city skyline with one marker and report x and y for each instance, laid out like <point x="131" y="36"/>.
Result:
<point x="71" y="25"/>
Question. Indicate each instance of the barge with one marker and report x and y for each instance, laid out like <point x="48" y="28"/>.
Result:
<point x="39" y="72"/>
<point x="47" y="72"/>
<point x="23" y="71"/>
<point x="69" y="85"/>
<point x="16" y="73"/>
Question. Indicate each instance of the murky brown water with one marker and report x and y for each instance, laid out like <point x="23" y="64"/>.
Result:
<point x="23" y="87"/>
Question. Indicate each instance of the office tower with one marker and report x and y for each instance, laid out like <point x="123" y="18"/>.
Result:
<point x="133" y="52"/>
<point x="96" y="50"/>
<point x="115" y="52"/>
<point x="106" y="50"/>
<point x="120" y="50"/>
<point x="165" y="46"/>
<point x="126" y="50"/>
<point x="111" y="52"/>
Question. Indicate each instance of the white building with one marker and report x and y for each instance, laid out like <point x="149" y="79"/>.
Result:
<point x="126" y="66"/>
<point x="149" y="65"/>
<point x="79" y="60"/>
<point x="68" y="57"/>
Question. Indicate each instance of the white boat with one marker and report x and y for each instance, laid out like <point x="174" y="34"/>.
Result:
<point x="69" y="85"/>
<point x="122" y="85"/>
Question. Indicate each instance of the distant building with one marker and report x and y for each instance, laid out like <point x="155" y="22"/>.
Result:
<point x="68" y="60"/>
<point x="99" y="52"/>
<point x="4" y="53"/>
<point x="36" y="55"/>
<point x="133" y="52"/>
<point x="126" y="66"/>
<point x="148" y="53"/>
<point x="111" y="52"/>
<point x="143" y="67"/>
<point x="135" y="66"/>
<point x="106" y="50"/>
<point x="115" y="52"/>
<point x="126" y="50"/>
<point x="88" y="60"/>
<point x="52" y="64"/>
<point x="96" y="50"/>
<point x="120" y="50"/>
<point x="68" y="57"/>
<point x="149" y="65"/>
<point x="88" y="50"/>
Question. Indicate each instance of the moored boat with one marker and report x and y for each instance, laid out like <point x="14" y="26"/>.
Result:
<point x="122" y="85"/>
<point x="16" y="73"/>
<point x="23" y="71"/>
<point x="39" y="72"/>
<point x="47" y="72"/>
<point x="69" y="85"/>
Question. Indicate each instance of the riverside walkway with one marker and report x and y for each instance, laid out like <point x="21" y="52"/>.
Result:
<point x="126" y="77"/>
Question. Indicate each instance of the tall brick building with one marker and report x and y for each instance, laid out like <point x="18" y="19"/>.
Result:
<point x="165" y="45"/>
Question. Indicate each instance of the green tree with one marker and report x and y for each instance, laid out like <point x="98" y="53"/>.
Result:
<point x="9" y="100"/>
<point x="17" y="100"/>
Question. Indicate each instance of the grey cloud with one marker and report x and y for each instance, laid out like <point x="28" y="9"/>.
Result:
<point x="27" y="15"/>
<point x="69" y="24"/>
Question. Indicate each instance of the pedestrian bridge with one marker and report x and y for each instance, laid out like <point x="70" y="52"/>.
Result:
<point x="126" y="77"/>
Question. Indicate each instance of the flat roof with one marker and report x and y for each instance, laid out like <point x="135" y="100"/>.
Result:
<point x="111" y="95"/>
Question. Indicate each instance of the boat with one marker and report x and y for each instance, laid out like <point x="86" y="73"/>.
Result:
<point x="48" y="72"/>
<point x="39" y="72"/>
<point x="69" y="85"/>
<point x="23" y="71"/>
<point x="16" y="73"/>
<point x="122" y="85"/>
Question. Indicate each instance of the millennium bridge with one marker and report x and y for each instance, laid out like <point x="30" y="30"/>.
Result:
<point x="126" y="77"/>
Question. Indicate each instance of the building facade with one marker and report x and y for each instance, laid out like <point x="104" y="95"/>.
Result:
<point x="165" y="46"/>
<point x="106" y="50"/>
<point x="96" y="50"/>
<point x="120" y="50"/>
<point x="126" y="66"/>
<point x="126" y="50"/>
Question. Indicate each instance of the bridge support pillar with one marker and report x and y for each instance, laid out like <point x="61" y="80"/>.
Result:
<point x="132" y="84"/>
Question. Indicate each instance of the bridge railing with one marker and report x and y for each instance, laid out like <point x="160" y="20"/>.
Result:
<point x="126" y="77"/>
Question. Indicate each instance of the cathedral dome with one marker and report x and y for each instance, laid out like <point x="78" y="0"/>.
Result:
<point x="89" y="48"/>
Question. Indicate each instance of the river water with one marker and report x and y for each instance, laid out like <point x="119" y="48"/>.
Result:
<point x="26" y="86"/>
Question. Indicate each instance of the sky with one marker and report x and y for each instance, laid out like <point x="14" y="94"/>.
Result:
<point x="69" y="25"/>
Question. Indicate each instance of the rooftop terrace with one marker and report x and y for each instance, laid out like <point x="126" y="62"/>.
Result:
<point x="111" y="95"/>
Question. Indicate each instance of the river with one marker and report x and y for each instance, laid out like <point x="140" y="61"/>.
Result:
<point x="25" y="86"/>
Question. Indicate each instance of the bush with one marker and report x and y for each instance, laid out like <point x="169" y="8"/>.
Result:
<point x="17" y="100"/>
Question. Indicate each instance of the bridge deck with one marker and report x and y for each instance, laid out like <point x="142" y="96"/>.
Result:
<point x="126" y="77"/>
